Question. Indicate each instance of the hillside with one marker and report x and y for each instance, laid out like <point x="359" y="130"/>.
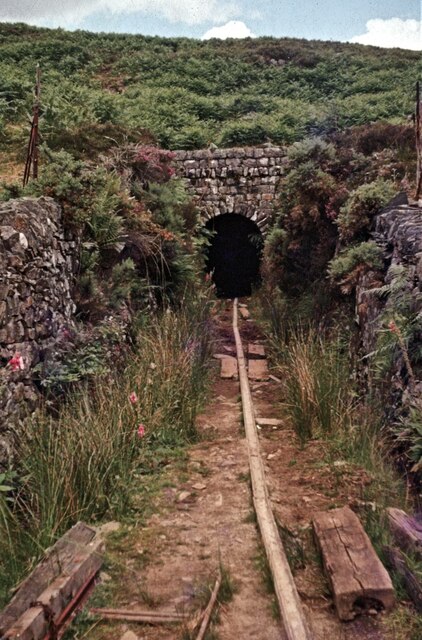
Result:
<point x="120" y="402"/>
<point x="188" y="93"/>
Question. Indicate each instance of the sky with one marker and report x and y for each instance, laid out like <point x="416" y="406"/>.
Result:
<point x="385" y="23"/>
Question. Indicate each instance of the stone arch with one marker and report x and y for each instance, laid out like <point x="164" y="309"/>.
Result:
<point x="240" y="181"/>
<point x="260" y="218"/>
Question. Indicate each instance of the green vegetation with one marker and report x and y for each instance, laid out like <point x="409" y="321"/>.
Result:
<point x="361" y="205"/>
<point x="185" y="93"/>
<point x="124" y="385"/>
<point x="93" y="459"/>
<point x="348" y="264"/>
<point x="321" y="401"/>
<point x="318" y="400"/>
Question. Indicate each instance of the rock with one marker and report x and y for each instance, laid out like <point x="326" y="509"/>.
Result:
<point x="236" y="179"/>
<point x="104" y="577"/>
<point x="37" y="268"/>
<point x="199" y="486"/>
<point x="129" y="635"/>
<point x="219" y="500"/>
<point x="269" y="422"/>
<point x="183" y="496"/>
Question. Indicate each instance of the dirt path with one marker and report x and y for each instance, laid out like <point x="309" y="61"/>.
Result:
<point x="214" y="521"/>
<point x="206" y="516"/>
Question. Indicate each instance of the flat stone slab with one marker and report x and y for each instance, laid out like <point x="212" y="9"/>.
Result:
<point x="357" y="577"/>
<point x="228" y="369"/>
<point x="269" y="422"/>
<point x="258" y="370"/>
<point x="256" y="351"/>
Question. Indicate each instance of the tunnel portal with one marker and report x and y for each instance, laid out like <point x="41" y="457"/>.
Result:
<point x="234" y="255"/>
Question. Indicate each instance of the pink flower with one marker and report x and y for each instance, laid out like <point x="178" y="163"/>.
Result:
<point x="16" y="363"/>
<point x="141" y="430"/>
<point x="393" y="327"/>
<point x="133" y="398"/>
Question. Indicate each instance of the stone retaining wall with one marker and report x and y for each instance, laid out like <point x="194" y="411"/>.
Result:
<point x="398" y="230"/>
<point x="239" y="180"/>
<point x="37" y="266"/>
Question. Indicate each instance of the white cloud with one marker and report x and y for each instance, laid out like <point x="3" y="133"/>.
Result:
<point x="67" y="12"/>
<point x="395" y="32"/>
<point x="232" y="29"/>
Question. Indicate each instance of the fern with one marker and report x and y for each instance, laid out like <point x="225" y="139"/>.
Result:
<point x="401" y="311"/>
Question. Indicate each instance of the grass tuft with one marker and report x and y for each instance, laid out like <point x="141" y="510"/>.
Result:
<point x="90" y="462"/>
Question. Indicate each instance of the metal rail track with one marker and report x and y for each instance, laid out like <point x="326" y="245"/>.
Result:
<point x="293" y="617"/>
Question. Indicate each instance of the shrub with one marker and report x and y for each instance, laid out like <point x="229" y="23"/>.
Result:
<point x="347" y="266"/>
<point x="237" y="134"/>
<point x="362" y="205"/>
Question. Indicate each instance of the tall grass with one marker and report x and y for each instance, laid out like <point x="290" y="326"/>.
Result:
<point x="321" y="401"/>
<point x="86" y="462"/>
<point x="317" y="383"/>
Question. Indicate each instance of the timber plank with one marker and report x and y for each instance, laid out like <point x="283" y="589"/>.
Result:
<point x="56" y="559"/>
<point x="357" y="577"/>
<point x="258" y="370"/>
<point x="397" y="561"/>
<point x="33" y="624"/>
<point x="294" y="621"/>
<point x="229" y="369"/>
<point x="406" y="530"/>
<point x="256" y="351"/>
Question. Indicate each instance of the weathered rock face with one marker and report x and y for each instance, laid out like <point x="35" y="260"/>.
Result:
<point x="240" y="180"/>
<point x="398" y="230"/>
<point x="37" y="263"/>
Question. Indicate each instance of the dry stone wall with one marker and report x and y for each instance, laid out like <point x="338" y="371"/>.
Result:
<point x="239" y="180"/>
<point x="398" y="230"/>
<point x="37" y="266"/>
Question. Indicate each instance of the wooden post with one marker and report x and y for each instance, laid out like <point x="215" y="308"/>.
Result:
<point x="32" y="154"/>
<point x="36" y="122"/>
<point x="418" y="132"/>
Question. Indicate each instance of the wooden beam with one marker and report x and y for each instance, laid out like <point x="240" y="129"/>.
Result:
<point x="208" y="611"/>
<point x="356" y="575"/>
<point x="292" y="614"/>
<point x="413" y="586"/>
<point x="258" y="370"/>
<point x="47" y="599"/>
<point x="406" y="530"/>
<point x="228" y="369"/>
<point x="56" y="560"/>
<point x="256" y="351"/>
<point x="140" y="615"/>
<point x="44" y="616"/>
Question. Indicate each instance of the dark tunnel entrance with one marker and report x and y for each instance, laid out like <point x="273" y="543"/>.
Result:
<point x="234" y="255"/>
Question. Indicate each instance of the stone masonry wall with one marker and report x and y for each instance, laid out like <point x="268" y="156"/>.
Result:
<point x="239" y="180"/>
<point x="37" y="266"/>
<point x="398" y="230"/>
